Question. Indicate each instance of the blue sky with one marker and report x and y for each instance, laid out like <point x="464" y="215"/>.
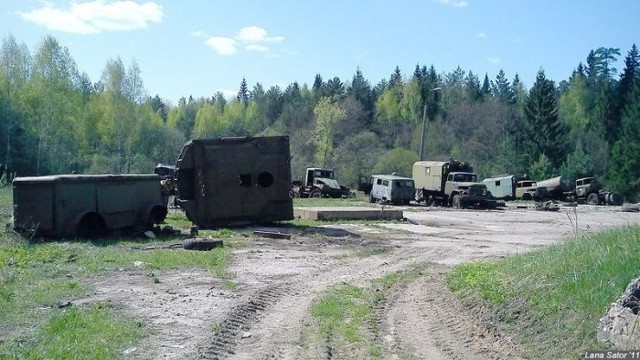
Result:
<point x="194" y="47"/>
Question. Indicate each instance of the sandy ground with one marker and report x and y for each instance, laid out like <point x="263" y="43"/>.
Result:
<point x="192" y="315"/>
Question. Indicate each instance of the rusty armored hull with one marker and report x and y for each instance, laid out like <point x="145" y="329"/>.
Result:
<point x="86" y="205"/>
<point x="235" y="181"/>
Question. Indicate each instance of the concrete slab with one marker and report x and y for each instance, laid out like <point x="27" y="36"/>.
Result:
<point x="347" y="213"/>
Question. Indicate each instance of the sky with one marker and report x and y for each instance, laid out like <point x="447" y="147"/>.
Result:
<point x="198" y="47"/>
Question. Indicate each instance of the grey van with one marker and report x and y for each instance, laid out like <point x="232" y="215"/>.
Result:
<point x="391" y="188"/>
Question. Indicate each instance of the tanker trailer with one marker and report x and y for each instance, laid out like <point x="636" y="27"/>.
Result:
<point x="554" y="188"/>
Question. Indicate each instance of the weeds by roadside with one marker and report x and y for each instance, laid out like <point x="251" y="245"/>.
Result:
<point x="550" y="300"/>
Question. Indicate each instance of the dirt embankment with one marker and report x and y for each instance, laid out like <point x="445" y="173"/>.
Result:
<point x="267" y="316"/>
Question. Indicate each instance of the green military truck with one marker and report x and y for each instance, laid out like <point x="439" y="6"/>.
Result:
<point x="87" y="206"/>
<point x="589" y="191"/>
<point x="450" y="183"/>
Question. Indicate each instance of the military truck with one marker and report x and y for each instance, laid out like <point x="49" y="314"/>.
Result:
<point x="450" y="183"/>
<point x="588" y="190"/>
<point x="235" y="181"/>
<point x="87" y="206"/>
<point x="319" y="182"/>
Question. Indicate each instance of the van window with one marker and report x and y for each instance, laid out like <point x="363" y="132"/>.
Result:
<point x="385" y="183"/>
<point x="497" y="182"/>
<point x="407" y="183"/>
<point x="379" y="181"/>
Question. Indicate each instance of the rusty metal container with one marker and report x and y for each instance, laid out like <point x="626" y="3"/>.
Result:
<point x="235" y="181"/>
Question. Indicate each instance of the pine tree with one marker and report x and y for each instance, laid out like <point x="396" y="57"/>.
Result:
<point x="544" y="129"/>
<point x="624" y="173"/>
<point x="629" y="77"/>
<point x="396" y="78"/>
<point x="502" y="90"/>
<point x="244" y="94"/>
<point x="485" y="90"/>
<point x="318" y="88"/>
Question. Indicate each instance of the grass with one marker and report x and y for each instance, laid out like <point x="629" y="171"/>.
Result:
<point x="36" y="277"/>
<point x="95" y="333"/>
<point x="359" y="200"/>
<point x="346" y="313"/>
<point x="550" y="300"/>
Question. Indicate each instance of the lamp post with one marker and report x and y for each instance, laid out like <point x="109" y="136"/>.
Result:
<point x="424" y="120"/>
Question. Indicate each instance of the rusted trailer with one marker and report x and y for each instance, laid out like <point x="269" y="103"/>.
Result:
<point x="86" y="205"/>
<point x="235" y="181"/>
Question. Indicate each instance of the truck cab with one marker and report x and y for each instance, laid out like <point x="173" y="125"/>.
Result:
<point x="526" y="189"/>
<point x="319" y="182"/>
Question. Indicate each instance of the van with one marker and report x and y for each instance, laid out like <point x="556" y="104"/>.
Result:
<point x="394" y="189"/>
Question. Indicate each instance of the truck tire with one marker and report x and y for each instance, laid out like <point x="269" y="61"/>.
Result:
<point x="456" y="202"/>
<point x="201" y="244"/>
<point x="592" y="199"/>
<point x="315" y="193"/>
<point x="371" y="198"/>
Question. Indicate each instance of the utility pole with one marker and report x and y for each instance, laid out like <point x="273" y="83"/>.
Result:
<point x="424" y="120"/>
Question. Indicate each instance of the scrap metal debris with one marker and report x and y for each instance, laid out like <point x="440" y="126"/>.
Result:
<point x="547" y="206"/>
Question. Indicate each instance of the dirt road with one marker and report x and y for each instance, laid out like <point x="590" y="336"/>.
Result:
<point x="267" y="315"/>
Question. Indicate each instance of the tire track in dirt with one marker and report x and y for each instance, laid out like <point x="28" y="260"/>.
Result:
<point x="239" y="321"/>
<point x="426" y="321"/>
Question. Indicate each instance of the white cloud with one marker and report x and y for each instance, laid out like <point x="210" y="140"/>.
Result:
<point x="482" y="35"/>
<point x="254" y="34"/>
<point x="96" y="16"/>
<point x="254" y="38"/>
<point x="254" y="47"/>
<point x="222" y="45"/>
<point x="198" y="34"/>
<point x="456" y="3"/>
<point x="494" y="60"/>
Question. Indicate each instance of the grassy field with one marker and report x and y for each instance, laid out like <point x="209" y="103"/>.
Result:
<point x="38" y="278"/>
<point x="550" y="300"/>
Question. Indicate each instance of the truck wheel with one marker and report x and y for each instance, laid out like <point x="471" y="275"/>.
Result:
<point x="315" y="193"/>
<point x="455" y="202"/>
<point x="592" y="199"/>
<point x="371" y="198"/>
<point x="91" y="226"/>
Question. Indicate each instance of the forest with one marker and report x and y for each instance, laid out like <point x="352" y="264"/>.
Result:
<point x="54" y="119"/>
